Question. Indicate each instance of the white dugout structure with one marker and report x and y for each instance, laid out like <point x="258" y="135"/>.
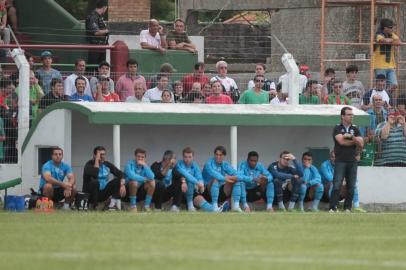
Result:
<point x="121" y="127"/>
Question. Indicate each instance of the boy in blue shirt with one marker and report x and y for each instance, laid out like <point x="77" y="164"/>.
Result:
<point x="311" y="180"/>
<point x="283" y="174"/>
<point x="189" y="171"/>
<point x="80" y="84"/>
<point x="256" y="183"/>
<point x="53" y="174"/>
<point x="222" y="180"/>
<point x="139" y="180"/>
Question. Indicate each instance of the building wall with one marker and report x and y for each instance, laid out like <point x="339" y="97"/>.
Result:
<point x="129" y="11"/>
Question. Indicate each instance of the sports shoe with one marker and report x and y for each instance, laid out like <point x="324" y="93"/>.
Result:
<point x="237" y="210"/>
<point x="270" y="210"/>
<point x="224" y="207"/>
<point x="174" y="208"/>
<point x="333" y="211"/>
<point x="147" y="209"/>
<point x="358" y="210"/>
<point x="133" y="210"/>
<point x="191" y="209"/>
<point x="314" y="210"/>
<point x="282" y="210"/>
<point x="348" y="211"/>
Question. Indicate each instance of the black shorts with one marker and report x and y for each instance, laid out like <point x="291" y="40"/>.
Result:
<point x="222" y="196"/>
<point x="58" y="194"/>
<point x="141" y="193"/>
<point x="255" y="194"/>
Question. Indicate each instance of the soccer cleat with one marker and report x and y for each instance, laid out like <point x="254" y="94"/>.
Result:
<point x="174" y="208"/>
<point x="270" y="210"/>
<point x="358" y="210"/>
<point x="333" y="211"/>
<point x="147" y="209"/>
<point x="191" y="209"/>
<point x="224" y="207"/>
<point x="347" y="211"/>
<point x="314" y="210"/>
<point x="133" y="210"/>
<point x="282" y="210"/>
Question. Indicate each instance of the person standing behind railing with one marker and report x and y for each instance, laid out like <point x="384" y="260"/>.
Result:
<point x="97" y="32"/>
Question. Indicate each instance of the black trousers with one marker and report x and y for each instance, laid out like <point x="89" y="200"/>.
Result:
<point x="165" y="193"/>
<point x="96" y="56"/>
<point x="96" y="195"/>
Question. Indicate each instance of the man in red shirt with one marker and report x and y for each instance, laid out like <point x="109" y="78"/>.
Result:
<point x="196" y="76"/>
<point x="217" y="97"/>
<point x="103" y="93"/>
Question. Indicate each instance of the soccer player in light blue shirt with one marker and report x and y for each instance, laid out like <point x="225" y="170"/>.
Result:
<point x="327" y="175"/>
<point x="311" y="179"/>
<point x="256" y="181"/>
<point x="52" y="183"/>
<point x="139" y="177"/>
<point x="217" y="173"/>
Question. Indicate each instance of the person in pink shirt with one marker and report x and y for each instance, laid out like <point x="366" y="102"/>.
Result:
<point x="217" y="97"/>
<point x="125" y="84"/>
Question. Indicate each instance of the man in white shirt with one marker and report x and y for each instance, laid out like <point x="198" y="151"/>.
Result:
<point x="155" y="94"/>
<point x="69" y="83"/>
<point x="150" y="39"/>
<point x="138" y="94"/>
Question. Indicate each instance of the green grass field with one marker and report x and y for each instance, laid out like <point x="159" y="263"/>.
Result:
<point x="202" y="241"/>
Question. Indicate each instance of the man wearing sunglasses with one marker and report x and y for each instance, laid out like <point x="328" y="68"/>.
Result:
<point x="255" y="95"/>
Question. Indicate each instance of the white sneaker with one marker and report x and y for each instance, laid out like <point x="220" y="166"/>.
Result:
<point x="174" y="208"/>
<point x="191" y="209"/>
<point x="237" y="210"/>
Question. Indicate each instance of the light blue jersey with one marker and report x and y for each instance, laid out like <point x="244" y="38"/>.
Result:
<point x="213" y="170"/>
<point x="45" y="77"/>
<point x="191" y="172"/>
<point x="138" y="173"/>
<point x="311" y="176"/>
<point x="76" y="97"/>
<point x="57" y="172"/>
<point x="327" y="171"/>
<point x="248" y="174"/>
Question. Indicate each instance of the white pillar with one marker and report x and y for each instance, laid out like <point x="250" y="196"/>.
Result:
<point x="233" y="145"/>
<point x="23" y="98"/>
<point x="116" y="145"/>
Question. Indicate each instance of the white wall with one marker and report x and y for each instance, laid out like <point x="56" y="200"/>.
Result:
<point x="382" y="185"/>
<point x="133" y="43"/>
<point x="53" y="130"/>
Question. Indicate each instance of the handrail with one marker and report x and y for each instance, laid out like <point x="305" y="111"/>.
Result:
<point x="57" y="46"/>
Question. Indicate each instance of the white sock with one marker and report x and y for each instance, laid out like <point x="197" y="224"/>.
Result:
<point x="291" y="205"/>
<point x="112" y="203"/>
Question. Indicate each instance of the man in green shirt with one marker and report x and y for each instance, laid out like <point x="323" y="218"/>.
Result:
<point x="178" y="39"/>
<point x="310" y="94"/>
<point x="255" y="95"/>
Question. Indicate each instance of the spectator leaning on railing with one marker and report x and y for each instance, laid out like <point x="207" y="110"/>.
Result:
<point x="178" y="39"/>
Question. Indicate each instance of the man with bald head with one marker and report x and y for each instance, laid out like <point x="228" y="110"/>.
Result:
<point x="151" y="39"/>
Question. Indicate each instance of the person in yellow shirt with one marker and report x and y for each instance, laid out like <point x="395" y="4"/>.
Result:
<point x="384" y="52"/>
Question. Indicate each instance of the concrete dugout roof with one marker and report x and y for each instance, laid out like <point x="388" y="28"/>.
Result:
<point x="204" y="114"/>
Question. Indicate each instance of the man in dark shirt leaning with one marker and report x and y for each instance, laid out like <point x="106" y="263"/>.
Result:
<point x="97" y="32"/>
<point x="178" y="39"/>
<point x="348" y="143"/>
<point x="96" y="180"/>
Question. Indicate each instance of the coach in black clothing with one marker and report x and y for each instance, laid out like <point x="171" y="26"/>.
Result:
<point x="96" y="179"/>
<point x="347" y="143"/>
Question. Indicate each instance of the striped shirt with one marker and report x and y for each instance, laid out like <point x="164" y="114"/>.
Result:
<point x="393" y="147"/>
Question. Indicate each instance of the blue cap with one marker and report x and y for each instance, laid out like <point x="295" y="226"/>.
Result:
<point x="46" y="54"/>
